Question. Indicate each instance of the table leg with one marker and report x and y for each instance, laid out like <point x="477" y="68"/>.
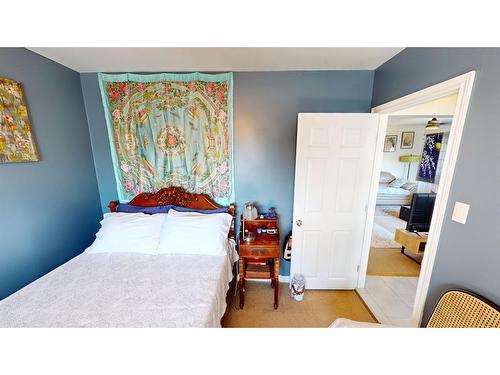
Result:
<point x="276" y="281"/>
<point x="241" y="282"/>
<point x="271" y="271"/>
<point x="409" y="256"/>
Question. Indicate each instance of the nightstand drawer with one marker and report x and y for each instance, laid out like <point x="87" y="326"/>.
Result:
<point x="258" y="252"/>
<point x="257" y="271"/>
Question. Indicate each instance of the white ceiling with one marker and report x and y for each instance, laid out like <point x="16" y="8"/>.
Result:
<point x="416" y="121"/>
<point x="107" y="59"/>
<point x="417" y="116"/>
<point x="440" y="107"/>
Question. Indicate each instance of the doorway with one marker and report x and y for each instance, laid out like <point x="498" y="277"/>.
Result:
<point x="400" y="245"/>
<point x="414" y="149"/>
<point x="337" y="174"/>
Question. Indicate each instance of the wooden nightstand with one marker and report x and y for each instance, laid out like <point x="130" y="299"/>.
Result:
<point x="260" y="259"/>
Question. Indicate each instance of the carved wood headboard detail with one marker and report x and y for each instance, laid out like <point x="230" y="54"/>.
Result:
<point x="176" y="196"/>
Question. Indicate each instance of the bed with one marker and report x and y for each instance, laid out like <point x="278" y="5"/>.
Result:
<point x="130" y="289"/>
<point x="393" y="191"/>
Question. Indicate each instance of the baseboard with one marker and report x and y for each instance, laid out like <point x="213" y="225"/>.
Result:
<point x="284" y="279"/>
<point x="281" y="279"/>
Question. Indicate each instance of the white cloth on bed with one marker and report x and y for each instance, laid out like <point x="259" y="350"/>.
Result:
<point x="125" y="290"/>
<point x="348" y="323"/>
<point x="392" y="191"/>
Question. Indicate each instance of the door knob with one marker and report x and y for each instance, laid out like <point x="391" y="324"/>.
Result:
<point x="299" y="223"/>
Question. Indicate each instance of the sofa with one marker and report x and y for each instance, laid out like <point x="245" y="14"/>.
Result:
<point x="394" y="191"/>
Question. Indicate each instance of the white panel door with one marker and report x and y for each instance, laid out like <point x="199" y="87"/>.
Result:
<point x="334" y="163"/>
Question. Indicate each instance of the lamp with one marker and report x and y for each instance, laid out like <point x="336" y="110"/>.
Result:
<point x="409" y="159"/>
<point x="433" y="124"/>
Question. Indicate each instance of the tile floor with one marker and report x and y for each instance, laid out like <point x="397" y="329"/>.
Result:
<point x="390" y="298"/>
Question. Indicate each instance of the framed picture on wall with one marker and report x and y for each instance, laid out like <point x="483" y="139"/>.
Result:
<point x="390" y="143"/>
<point x="407" y="139"/>
<point x="431" y="156"/>
<point x="17" y="143"/>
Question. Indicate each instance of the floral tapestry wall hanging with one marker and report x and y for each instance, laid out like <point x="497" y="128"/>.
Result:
<point x="170" y="130"/>
<point x="16" y="140"/>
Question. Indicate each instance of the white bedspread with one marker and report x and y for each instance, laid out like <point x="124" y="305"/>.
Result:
<point x="124" y="290"/>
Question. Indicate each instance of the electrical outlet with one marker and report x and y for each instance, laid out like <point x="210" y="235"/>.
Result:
<point x="460" y="212"/>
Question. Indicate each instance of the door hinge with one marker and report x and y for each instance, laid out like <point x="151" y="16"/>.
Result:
<point x="357" y="268"/>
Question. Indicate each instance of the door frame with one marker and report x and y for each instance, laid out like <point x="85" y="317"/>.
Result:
<point x="461" y="85"/>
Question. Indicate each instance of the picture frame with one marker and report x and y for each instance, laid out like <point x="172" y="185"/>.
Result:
<point x="390" y="143"/>
<point x="407" y="140"/>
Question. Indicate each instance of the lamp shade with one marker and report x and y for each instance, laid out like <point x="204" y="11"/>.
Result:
<point x="433" y="124"/>
<point x="409" y="158"/>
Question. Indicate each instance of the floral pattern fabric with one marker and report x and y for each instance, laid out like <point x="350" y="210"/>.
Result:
<point x="16" y="140"/>
<point x="171" y="130"/>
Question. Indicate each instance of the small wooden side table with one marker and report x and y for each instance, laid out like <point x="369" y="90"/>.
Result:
<point x="414" y="242"/>
<point x="260" y="258"/>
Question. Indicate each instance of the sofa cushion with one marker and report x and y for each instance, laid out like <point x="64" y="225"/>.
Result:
<point x="386" y="177"/>
<point x="397" y="183"/>
<point x="410" y="186"/>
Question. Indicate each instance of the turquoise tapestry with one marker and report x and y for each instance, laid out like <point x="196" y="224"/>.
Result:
<point x="171" y="130"/>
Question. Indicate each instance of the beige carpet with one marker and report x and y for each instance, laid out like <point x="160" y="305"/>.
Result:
<point x="390" y="262"/>
<point x="318" y="309"/>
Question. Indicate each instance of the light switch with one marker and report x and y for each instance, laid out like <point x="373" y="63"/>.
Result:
<point x="460" y="212"/>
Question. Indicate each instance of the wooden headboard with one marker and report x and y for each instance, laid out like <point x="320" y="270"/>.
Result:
<point x="177" y="196"/>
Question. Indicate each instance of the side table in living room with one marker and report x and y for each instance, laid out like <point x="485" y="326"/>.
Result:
<point x="413" y="241"/>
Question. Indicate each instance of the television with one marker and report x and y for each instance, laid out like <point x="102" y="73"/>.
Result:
<point x="420" y="216"/>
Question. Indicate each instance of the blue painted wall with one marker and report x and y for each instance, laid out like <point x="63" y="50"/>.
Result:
<point x="38" y="233"/>
<point x="49" y="209"/>
<point x="265" y="125"/>
<point x="468" y="255"/>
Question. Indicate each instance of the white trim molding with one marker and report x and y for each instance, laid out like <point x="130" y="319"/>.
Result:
<point x="372" y="200"/>
<point x="461" y="85"/>
<point x="284" y="279"/>
<point x="281" y="279"/>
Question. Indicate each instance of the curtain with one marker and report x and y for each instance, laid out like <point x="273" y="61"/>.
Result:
<point x="170" y="130"/>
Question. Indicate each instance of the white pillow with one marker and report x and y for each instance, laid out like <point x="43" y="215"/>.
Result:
<point x="397" y="183"/>
<point x="128" y="233"/>
<point x="194" y="233"/>
<point x="386" y="177"/>
<point x="410" y="186"/>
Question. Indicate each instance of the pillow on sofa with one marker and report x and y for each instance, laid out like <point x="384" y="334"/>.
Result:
<point x="397" y="183"/>
<point x="386" y="177"/>
<point x="410" y="186"/>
